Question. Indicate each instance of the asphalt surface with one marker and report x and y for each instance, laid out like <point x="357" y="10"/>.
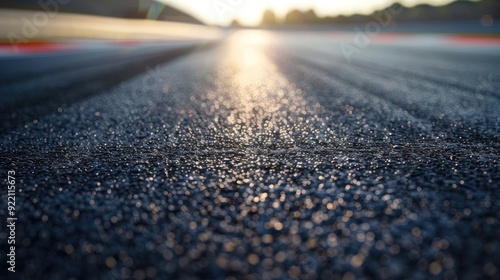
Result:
<point x="34" y="84"/>
<point x="268" y="156"/>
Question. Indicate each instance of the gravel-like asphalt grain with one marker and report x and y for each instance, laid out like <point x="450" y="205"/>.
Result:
<point x="267" y="157"/>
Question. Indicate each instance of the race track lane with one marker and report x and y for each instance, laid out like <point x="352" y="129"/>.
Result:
<point x="270" y="156"/>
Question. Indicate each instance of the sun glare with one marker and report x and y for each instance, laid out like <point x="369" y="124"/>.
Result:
<point x="253" y="37"/>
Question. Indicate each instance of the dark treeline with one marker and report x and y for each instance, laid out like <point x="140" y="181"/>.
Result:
<point x="458" y="10"/>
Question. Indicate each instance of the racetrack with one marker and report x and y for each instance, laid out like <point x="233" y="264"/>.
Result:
<point x="270" y="155"/>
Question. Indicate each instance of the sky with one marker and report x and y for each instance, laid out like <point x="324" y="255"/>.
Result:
<point x="249" y="12"/>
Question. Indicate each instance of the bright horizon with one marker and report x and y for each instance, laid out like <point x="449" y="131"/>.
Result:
<point x="249" y="12"/>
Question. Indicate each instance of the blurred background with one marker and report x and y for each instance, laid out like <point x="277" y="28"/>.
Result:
<point x="271" y="139"/>
<point x="254" y="13"/>
<point x="117" y="39"/>
<point x="435" y="14"/>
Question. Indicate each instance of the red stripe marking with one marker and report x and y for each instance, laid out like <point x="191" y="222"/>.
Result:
<point x="34" y="47"/>
<point x="475" y="39"/>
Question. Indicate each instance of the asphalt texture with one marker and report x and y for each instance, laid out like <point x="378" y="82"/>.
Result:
<point x="268" y="156"/>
